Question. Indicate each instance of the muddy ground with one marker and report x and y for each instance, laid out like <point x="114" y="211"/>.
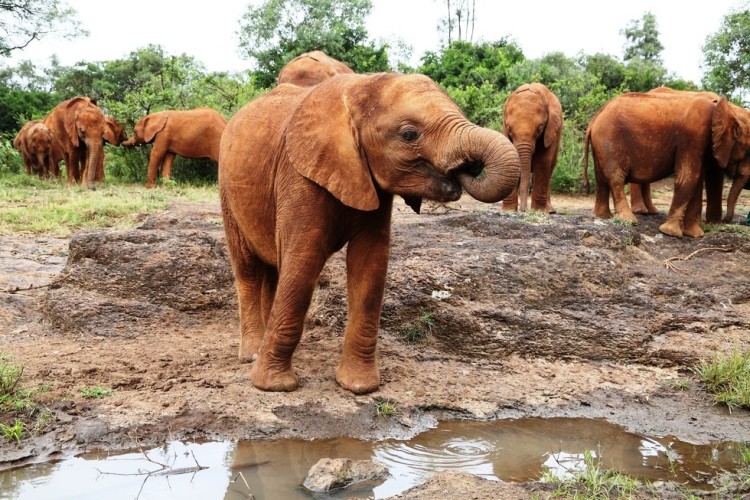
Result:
<point x="562" y="315"/>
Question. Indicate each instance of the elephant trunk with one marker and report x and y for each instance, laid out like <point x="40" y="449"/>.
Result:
<point x="525" y="153"/>
<point x="738" y="184"/>
<point x="129" y="142"/>
<point x="94" y="155"/>
<point x="490" y="167"/>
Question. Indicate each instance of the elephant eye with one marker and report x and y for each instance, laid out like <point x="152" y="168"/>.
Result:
<point x="409" y="134"/>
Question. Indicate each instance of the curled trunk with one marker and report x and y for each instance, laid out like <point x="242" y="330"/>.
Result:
<point x="491" y="165"/>
<point x="738" y="184"/>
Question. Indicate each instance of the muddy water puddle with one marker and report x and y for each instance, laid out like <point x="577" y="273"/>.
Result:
<point x="509" y="450"/>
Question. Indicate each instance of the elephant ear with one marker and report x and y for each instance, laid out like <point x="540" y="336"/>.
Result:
<point x="553" y="130"/>
<point x="723" y="125"/>
<point x="153" y="125"/>
<point x="69" y="119"/>
<point x="322" y="143"/>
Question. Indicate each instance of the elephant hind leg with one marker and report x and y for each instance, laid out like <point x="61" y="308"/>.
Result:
<point x="166" y="169"/>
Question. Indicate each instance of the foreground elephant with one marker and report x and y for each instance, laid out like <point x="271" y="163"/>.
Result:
<point x="311" y="68"/>
<point x="533" y="121"/>
<point x="40" y="150"/>
<point x="80" y="127"/>
<point x="643" y="138"/>
<point x="193" y="133"/>
<point x="305" y="171"/>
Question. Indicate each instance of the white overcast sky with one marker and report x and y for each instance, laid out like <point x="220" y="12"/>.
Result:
<point x="207" y="30"/>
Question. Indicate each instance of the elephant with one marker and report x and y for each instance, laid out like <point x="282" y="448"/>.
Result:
<point x="311" y="68"/>
<point x="533" y="121"/>
<point x="642" y="138"/>
<point x="41" y="152"/>
<point x="117" y="131"/>
<point x="193" y="133"/>
<point x="79" y="126"/>
<point x="304" y="171"/>
<point x="738" y="169"/>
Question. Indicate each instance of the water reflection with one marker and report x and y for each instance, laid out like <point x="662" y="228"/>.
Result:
<point x="510" y="450"/>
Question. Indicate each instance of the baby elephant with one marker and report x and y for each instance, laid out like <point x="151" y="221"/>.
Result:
<point x="194" y="133"/>
<point x="304" y="171"/>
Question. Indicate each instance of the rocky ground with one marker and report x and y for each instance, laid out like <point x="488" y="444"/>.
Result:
<point x="562" y="315"/>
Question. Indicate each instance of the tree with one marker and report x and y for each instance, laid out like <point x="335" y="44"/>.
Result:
<point x="23" y="21"/>
<point x="727" y="57"/>
<point x="643" y="40"/>
<point x="275" y="32"/>
<point x="458" y="25"/>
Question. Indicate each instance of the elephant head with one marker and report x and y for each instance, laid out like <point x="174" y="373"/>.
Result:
<point x="532" y="120"/>
<point x="146" y="129"/>
<point x="86" y="129"/>
<point x="311" y="68"/>
<point x="115" y="132"/>
<point x="730" y="133"/>
<point x="400" y="134"/>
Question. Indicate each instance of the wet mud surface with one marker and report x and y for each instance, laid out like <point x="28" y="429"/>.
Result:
<point x="549" y="316"/>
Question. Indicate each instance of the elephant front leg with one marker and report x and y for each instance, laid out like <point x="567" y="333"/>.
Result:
<point x="510" y="203"/>
<point x="366" y="267"/>
<point x="166" y="169"/>
<point x="687" y="188"/>
<point x="622" y="209"/>
<point x="298" y="273"/>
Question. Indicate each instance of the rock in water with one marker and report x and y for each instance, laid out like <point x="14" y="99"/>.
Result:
<point x="336" y="473"/>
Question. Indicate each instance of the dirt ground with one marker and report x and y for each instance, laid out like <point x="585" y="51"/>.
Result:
<point x="561" y="315"/>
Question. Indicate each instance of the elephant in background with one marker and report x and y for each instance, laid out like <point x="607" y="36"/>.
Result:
<point x="41" y="152"/>
<point x="304" y="171"/>
<point x="193" y="133"/>
<point x="80" y="127"/>
<point x="117" y="131"/>
<point x="533" y="121"/>
<point x="311" y="68"/>
<point x="643" y="138"/>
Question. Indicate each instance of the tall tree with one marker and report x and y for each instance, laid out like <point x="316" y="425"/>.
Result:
<point x="458" y="25"/>
<point x="643" y="39"/>
<point x="727" y="56"/>
<point x="278" y="30"/>
<point x="23" y="21"/>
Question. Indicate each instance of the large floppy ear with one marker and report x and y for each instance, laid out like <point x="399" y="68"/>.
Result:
<point x="723" y="126"/>
<point x="153" y="124"/>
<point x="554" y="122"/>
<point x="69" y="119"/>
<point x="322" y="142"/>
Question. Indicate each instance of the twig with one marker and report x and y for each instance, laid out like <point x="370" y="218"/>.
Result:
<point x="668" y="262"/>
<point x="15" y="290"/>
<point x="250" y="496"/>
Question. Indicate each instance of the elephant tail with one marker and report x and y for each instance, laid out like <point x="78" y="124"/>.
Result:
<point x="586" y="143"/>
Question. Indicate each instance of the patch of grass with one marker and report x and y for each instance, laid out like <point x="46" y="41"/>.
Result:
<point x="727" y="377"/>
<point x="12" y="432"/>
<point x="726" y="228"/>
<point x="534" y="216"/>
<point x="592" y="482"/>
<point x="51" y="207"/>
<point x="621" y="222"/>
<point x="96" y="392"/>
<point x="385" y="409"/>
<point x="10" y="376"/>
<point x="682" y="384"/>
<point x="419" y="329"/>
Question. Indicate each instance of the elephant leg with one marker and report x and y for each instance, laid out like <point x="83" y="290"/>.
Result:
<point x="540" y="189"/>
<point x="366" y="267"/>
<point x="691" y="226"/>
<point x="510" y="203"/>
<point x="71" y="166"/>
<point x="622" y="209"/>
<point x="166" y="169"/>
<point x="298" y="274"/>
<point x="687" y="176"/>
<point x="154" y="162"/>
<point x="640" y="199"/>
<point x="714" y="182"/>
<point x="601" y="202"/>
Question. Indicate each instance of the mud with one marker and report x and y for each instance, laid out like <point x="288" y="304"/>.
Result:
<point x="562" y="315"/>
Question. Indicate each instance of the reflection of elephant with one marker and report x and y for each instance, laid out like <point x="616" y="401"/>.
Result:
<point x="40" y="150"/>
<point x="643" y="138"/>
<point x="736" y="167"/>
<point x="193" y="133"/>
<point x="305" y="171"/>
<point x="79" y="126"/>
<point x="533" y="120"/>
<point x="311" y="68"/>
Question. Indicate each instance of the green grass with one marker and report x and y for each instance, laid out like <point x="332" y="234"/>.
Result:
<point x="592" y="482"/>
<point x="13" y="432"/>
<point x="30" y="205"/>
<point x="727" y="377"/>
<point x="534" y="216"/>
<point x="10" y="376"/>
<point x="726" y="228"/>
<point x="682" y="384"/>
<point x="419" y="329"/>
<point x="385" y="409"/>
<point x="96" y="392"/>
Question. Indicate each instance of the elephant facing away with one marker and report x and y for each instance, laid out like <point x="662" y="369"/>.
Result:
<point x="643" y="138"/>
<point x="311" y="68"/>
<point x="533" y="121"/>
<point x="80" y="127"/>
<point x="305" y="171"/>
<point x="193" y="133"/>
<point x="41" y="152"/>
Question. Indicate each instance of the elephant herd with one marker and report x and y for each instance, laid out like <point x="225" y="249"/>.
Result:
<point x="313" y="165"/>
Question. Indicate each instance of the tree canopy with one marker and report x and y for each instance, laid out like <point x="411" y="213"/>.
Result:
<point x="727" y="57"/>
<point x="23" y="21"/>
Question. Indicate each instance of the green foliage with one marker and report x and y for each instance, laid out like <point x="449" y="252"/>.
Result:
<point x="592" y="482"/>
<point x="385" y="409"/>
<point x="23" y="21"/>
<point x="277" y="31"/>
<point x="96" y="392"/>
<point x="567" y="177"/>
<point x="418" y="330"/>
<point x="19" y="106"/>
<point x="13" y="432"/>
<point x="727" y="57"/>
<point x="11" y="161"/>
<point x="727" y="377"/>
<point x="10" y="376"/>
<point x="642" y="38"/>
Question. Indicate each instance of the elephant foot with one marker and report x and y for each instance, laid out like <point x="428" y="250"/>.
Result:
<point x="267" y="379"/>
<point x="510" y="206"/>
<point x="671" y="228"/>
<point x="693" y="231"/>
<point x="627" y="216"/>
<point x="640" y="209"/>
<point x="359" y="379"/>
<point x="249" y="348"/>
<point x="602" y="213"/>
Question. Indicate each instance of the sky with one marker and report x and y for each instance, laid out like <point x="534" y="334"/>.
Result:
<point x="208" y="30"/>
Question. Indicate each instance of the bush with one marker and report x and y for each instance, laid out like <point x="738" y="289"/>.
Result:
<point x="11" y="161"/>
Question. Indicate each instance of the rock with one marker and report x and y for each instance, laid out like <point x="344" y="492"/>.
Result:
<point x="335" y="473"/>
